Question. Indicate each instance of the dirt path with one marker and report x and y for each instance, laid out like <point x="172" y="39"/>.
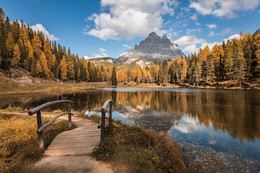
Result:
<point x="70" y="151"/>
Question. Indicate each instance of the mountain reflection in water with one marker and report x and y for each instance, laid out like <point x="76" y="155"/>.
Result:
<point x="217" y="118"/>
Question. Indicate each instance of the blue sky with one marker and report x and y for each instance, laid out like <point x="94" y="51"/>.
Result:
<point x="109" y="27"/>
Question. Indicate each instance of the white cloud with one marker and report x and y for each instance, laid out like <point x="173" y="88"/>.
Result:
<point x="211" y="33"/>
<point x="189" y="125"/>
<point x="209" y="44"/>
<point x="237" y="36"/>
<point x="223" y="32"/>
<point x="223" y="8"/>
<point x="191" y="48"/>
<point x="127" y="19"/>
<point x="127" y="46"/>
<point x="102" y="50"/>
<point x="193" y="30"/>
<point x="188" y="40"/>
<point x="212" y="26"/>
<point x="192" y="44"/>
<point x="194" y="17"/>
<point x="225" y="40"/>
<point x="87" y="57"/>
<point x="40" y="28"/>
<point x="101" y="55"/>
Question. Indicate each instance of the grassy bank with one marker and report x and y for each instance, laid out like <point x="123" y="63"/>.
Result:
<point x="214" y="85"/>
<point x="132" y="149"/>
<point x="19" y="140"/>
<point x="53" y="87"/>
<point x="14" y="88"/>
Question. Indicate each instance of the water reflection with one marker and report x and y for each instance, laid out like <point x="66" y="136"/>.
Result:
<point x="228" y="120"/>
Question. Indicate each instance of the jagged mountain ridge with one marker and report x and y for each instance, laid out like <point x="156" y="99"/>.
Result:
<point x="152" y="48"/>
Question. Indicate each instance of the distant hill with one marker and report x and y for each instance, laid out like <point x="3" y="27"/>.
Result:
<point x="103" y="59"/>
<point x="152" y="48"/>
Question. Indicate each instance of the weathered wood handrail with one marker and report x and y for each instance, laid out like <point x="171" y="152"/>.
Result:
<point x="39" y="117"/>
<point x="103" y="111"/>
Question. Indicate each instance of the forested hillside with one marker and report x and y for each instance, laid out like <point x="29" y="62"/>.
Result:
<point x="237" y="60"/>
<point x="21" y="47"/>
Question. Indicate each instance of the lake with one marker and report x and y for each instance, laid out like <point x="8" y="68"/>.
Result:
<point x="223" y="122"/>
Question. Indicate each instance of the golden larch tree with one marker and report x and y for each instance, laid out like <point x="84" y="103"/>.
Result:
<point x="63" y="68"/>
<point x="16" y="56"/>
<point x="37" y="45"/>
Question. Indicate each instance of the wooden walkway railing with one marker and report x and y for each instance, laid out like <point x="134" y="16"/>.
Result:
<point x="39" y="117"/>
<point x="102" y="125"/>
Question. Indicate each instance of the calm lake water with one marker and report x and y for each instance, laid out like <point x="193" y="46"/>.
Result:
<point x="224" y="121"/>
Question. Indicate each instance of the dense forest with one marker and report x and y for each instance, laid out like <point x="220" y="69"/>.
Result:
<point x="20" y="47"/>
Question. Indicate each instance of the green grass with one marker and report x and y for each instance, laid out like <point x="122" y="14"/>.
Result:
<point x="132" y="149"/>
<point x="19" y="140"/>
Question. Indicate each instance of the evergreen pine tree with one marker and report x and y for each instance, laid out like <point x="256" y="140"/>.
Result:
<point x="7" y="27"/>
<point x="114" y="78"/>
<point x="2" y="15"/>
<point x="71" y="73"/>
<point x="6" y="62"/>
<point x="0" y="58"/>
<point x="165" y="71"/>
<point x="15" y="31"/>
<point x="3" y="49"/>
<point x="228" y="60"/>
<point x="257" y="53"/>
<point x="239" y="65"/>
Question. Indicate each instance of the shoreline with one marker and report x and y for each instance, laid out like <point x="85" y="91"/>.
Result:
<point x="30" y="88"/>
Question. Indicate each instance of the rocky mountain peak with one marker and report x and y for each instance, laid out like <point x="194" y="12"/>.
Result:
<point x="153" y="48"/>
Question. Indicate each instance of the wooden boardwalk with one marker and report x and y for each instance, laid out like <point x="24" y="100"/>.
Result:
<point x="70" y="151"/>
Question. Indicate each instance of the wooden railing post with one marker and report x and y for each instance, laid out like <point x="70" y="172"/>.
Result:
<point x="110" y="119"/>
<point x="39" y="124"/>
<point x="69" y="115"/>
<point x="103" y="121"/>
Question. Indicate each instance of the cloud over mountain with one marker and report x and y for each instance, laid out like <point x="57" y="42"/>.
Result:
<point x="127" y="19"/>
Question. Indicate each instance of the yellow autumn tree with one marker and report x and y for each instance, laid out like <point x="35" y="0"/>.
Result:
<point x="203" y="54"/>
<point x="138" y="75"/>
<point x="122" y="75"/>
<point x="257" y="53"/>
<point x="0" y="57"/>
<point x="24" y="34"/>
<point x="45" y="70"/>
<point x="30" y="57"/>
<point x="37" y="45"/>
<point x="38" y="68"/>
<point x="183" y="70"/>
<point x="16" y="56"/>
<point x="49" y="57"/>
<point x="71" y="73"/>
<point x="216" y="53"/>
<point x="63" y="68"/>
